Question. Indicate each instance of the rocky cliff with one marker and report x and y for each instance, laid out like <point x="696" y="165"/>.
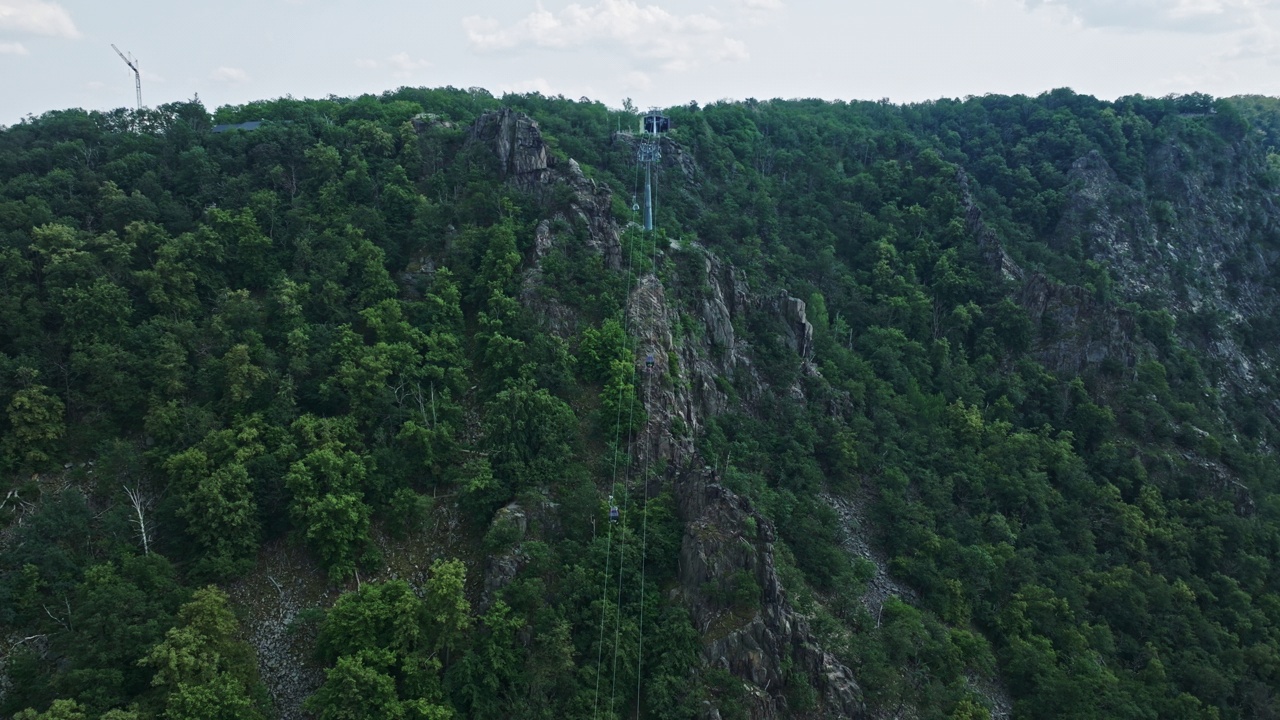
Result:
<point x="1199" y="240"/>
<point x="1075" y="330"/>
<point x="723" y="535"/>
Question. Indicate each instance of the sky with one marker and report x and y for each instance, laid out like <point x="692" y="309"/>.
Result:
<point x="56" y="55"/>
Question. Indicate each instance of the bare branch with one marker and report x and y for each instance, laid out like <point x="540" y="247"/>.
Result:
<point x="141" y="503"/>
<point x="65" y="625"/>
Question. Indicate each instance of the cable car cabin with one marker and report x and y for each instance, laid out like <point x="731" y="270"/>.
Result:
<point x="613" y="514"/>
<point x="656" y="123"/>
<point x="648" y="363"/>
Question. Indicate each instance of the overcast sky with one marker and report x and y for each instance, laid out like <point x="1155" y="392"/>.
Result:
<point x="657" y="52"/>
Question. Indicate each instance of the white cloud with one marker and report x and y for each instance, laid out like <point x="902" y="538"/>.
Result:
<point x="402" y="64"/>
<point x="545" y="87"/>
<point x="37" y="18"/>
<point x="646" y="32"/>
<point x="730" y="51"/>
<point x="12" y="48"/>
<point x="405" y="64"/>
<point x="538" y="85"/>
<point x="758" y="12"/>
<point x="229" y="75"/>
<point x="1199" y="16"/>
<point x="1260" y="42"/>
<point x="636" y="80"/>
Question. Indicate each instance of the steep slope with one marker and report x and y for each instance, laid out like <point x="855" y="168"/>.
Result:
<point x="959" y="409"/>
<point x="757" y="647"/>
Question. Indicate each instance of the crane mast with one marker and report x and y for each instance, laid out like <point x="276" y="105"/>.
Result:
<point x="132" y="62"/>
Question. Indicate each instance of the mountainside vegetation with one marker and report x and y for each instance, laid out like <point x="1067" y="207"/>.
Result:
<point x="974" y="402"/>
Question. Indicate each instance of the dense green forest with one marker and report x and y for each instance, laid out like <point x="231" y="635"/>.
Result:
<point x="1041" y="363"/>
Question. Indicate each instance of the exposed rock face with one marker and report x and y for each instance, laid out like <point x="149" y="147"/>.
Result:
<point x="1198" y="241"/>
<point x="1075" y="330"/>
<point x="526" y="162"/>
<point x="273" y="606"/>
<point x="799" y="331"/>
<point x="500" y="568"/>
<point x="725" y="538"/>
<point x="667" y="409"/>
<point x="425" y="121"/>
<point x="592" y="206"/>
<point x="523" y="159"/>
<point x="674" y="157"/>
<point x="706" y="359"/>
<point x="881" y="586"/>
<point x="993" y="252"/>
<point x="1199" y="256"/>
<point x="695" y="353"/>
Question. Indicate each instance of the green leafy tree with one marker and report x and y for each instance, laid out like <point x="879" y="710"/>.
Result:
<point x="485" y="680"/>
<point x="119" y="613"/>
<point x="202" y="668"/>
<point x="446" y="604"/>
<point x="36" y="417"/>
<point x="60" y="710"/>
<point x="529" y="431"/>
<point x="337" y="527"/>
<point x="218" y="510"/>
<point x="328" y="506"/>
<point x="359" y="687"/>
<point x="385" y="645"/>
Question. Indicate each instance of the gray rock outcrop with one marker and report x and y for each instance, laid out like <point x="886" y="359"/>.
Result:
<point x="1189" y="241"/>
<point x="726" y="538"/>
<point x="523" y="159"/>
<point x="1074" y="329"/>
<point x="687" y="324"/>
<point x="582" y="214"/>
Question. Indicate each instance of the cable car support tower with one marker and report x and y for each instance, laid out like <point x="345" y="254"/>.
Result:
<point x="132" y="62"/>
<point x="648" y="153"/>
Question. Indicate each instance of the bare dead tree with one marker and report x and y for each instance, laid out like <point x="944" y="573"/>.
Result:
<point x="19" y="643"/>
<point x="66" y="624"/>
<point x="21" y="508"/>
<point x="141" y="503"/>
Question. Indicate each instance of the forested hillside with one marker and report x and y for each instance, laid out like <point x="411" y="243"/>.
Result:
<point x="961" y="409"/>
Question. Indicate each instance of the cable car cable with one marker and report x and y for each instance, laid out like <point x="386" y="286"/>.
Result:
<point x="626" y="329"/>
<point x="644" y="513"/>
<point x="622" y="549"/>
<point x="625" y="506"/>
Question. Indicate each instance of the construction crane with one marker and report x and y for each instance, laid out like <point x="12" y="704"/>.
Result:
<point x="132" y="62"/>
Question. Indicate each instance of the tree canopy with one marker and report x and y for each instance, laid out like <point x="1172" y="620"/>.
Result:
<point x="345" y="325"/>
